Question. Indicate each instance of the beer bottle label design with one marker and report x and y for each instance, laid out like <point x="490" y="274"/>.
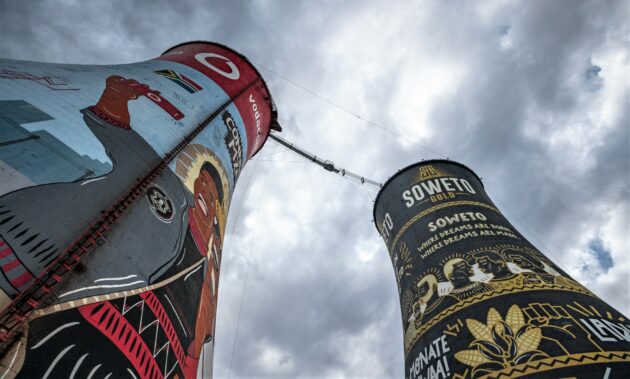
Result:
<point x="479" y="300"/>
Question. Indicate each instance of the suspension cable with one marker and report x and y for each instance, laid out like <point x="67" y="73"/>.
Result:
<point x="326" y="164"/>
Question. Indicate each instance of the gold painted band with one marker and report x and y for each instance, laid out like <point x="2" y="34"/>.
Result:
<point x="554" y="363"/>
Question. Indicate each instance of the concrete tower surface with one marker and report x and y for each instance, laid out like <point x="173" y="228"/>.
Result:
<point x="115" y="185"/>
<point x="477" y="299"/>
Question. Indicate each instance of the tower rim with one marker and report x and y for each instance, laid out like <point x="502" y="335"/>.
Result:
<point x="274" y="111"/>
<point x="400" y="171"/>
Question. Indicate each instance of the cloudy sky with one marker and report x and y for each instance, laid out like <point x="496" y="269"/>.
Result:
<point x="532" y="95"/>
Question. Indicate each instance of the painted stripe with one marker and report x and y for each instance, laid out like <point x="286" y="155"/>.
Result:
<point x="92" y="180"/>
<point x="17" y="350"/>
<point x="185" y="86"/>
<point x="94" y="371"/>
<point x="56" y="360"/>
<point x="176" y="315"/>
<point x="101" y="286"/>
<point x="22" y="279"/>
<point x="191" y="82"/>
<point x="607" y="373"/>
<point x="11" y="265"/>
<point x="52" y="334"/>
<point x="182" y="258"/>
<point x="192" y="272"/>
<point x="77" y="365"/>
<point x="5" y="253"/>
<point x="120" y="278"/>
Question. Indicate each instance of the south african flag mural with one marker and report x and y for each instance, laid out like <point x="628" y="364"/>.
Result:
<point x="183" y="81"/>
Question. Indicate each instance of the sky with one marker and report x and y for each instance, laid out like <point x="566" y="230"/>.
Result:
<point x="532" y="95"/>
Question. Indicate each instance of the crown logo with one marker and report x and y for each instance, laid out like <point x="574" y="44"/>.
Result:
<point x="428" y="172"/>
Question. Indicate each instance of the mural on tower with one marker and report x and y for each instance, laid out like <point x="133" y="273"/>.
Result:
<point x="477" y="299"/>
<point x="115" y="185"/>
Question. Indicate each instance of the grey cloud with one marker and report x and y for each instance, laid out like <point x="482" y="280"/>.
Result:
<point x="301" y="304"/>
<point x="309" y="296"/>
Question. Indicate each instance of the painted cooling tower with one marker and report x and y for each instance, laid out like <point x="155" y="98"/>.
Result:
<point x="477" y="299"/>
<point x="115" y="184"/>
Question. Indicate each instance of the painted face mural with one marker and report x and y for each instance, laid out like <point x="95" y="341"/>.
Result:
<point x="131" y="166"/>
<point x="477" y="299"/>
<point x="204" y="223"/>
<point x="203" y="216"/>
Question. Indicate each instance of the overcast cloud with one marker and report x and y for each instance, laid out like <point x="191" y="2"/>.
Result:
<point x="532" y="95"/>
